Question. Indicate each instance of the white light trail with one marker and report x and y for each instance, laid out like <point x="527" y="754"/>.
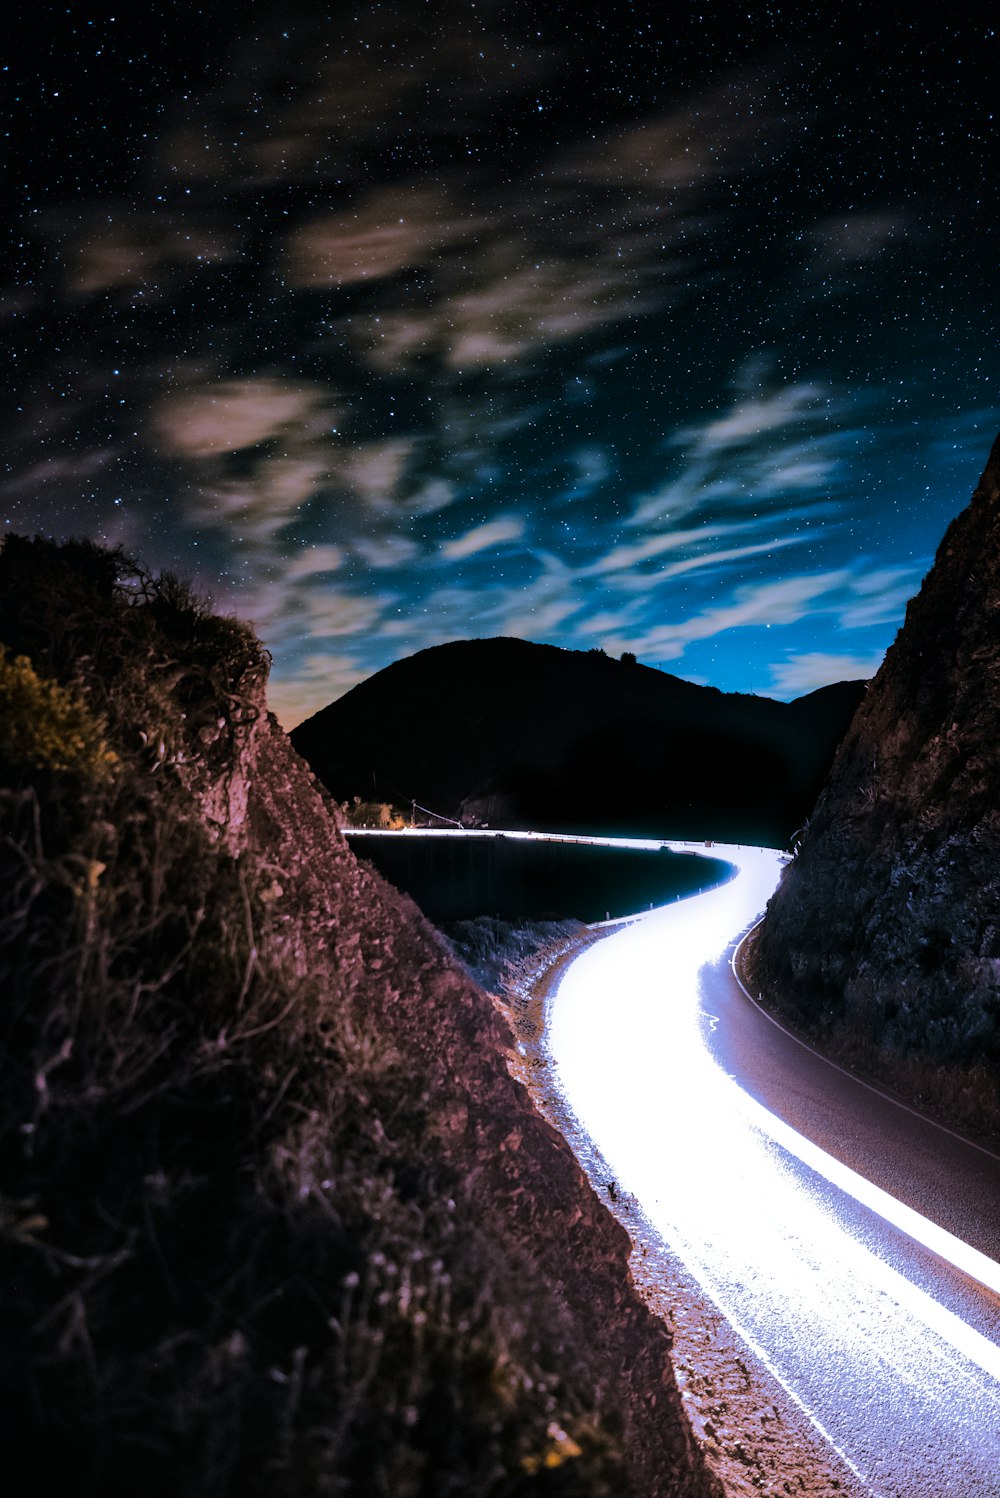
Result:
<point x="857" y="1343"/>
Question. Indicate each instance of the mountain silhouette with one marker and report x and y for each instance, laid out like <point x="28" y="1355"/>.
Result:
<point x="510" y="733"/>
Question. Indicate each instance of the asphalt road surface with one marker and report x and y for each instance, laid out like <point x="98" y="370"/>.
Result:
<point x="851" y="1243"/>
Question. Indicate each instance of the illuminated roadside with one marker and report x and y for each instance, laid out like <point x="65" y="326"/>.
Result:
<point x="838" y="1305"/>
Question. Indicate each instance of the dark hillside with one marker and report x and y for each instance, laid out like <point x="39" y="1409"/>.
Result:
<point x="884" y="935"/>
<point x="523" y="735"/>
<point x="274" y="1217"/>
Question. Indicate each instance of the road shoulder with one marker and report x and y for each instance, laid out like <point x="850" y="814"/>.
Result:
<point x="755" y="1439"/>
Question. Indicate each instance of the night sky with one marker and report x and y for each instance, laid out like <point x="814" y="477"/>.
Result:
<point x="661" y="329"/>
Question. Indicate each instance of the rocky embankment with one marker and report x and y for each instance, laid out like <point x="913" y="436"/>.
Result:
<point x="516" y="1177"/>
<point x="276" y="1217"/>
<point x="883" y="938"/>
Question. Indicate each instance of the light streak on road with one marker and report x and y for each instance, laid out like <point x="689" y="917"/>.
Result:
<point x="845" y="1309"/>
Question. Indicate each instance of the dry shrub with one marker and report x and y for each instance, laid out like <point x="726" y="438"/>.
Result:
<point x="232" y="1261"/>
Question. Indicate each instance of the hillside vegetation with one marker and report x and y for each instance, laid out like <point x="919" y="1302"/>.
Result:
<point x="274" y="1217"/>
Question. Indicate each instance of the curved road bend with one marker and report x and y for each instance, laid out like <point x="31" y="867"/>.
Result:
<point x="750" y="1155"/>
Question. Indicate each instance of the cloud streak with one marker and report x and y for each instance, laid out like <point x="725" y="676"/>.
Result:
<point x="408" y="328"/>
<point x="486" y="537"/>
<point x="805" y="673"/>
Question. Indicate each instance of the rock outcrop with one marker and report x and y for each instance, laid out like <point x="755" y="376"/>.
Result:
<point x="275" y="1218"/>
<point x="884" y="935"/>
<point x="517" y="1178"/>
<point x="524" y="735"/>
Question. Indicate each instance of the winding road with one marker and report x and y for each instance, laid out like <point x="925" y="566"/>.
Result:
<point x="851" y="1243"/>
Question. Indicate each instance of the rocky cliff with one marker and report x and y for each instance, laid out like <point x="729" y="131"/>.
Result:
<point x="884" y="935"/>
<point x="274" y="1216"/>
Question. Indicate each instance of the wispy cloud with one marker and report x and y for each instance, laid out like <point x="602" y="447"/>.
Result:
<point x="484" y="537"/>
<point x="592" y="466"/>
<point x="334" y="613"/>
<point x="312" y="561"/>
<point x="848" y="598"/>
<point x="374" y="470"/>
<point x="142" y="251"/>
<point x="731" y="124"/>
<point x="623" y="558"/>
<point x="351" y="89"/>
<point x="703" y="556"/>
<point x="537" y="304"/>
<point x="784" y="601"/>
<point x="853" y="237"/>
<point x="518" y="301"/>
<point x="384" y="233"/>
<point x="382" y="553"/>
<point x="533" y="608"/>
<point x="601" y="233"/>
<point x="725" y="556"/>
<point x="805" y="673"/>
<point x="251" y="510"/>
<point x="760" y="450"/>
<point x="542" y="608"/>
<point x="430" y="496"/>
<point x="750" y="419"/>
<point x="294" y="693"/>
<point x="224" y="416"/>
<point x="880" y="595"/>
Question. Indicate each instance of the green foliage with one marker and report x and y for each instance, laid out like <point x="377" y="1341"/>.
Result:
<point x="45" y="727"/>
<point x="166" y="675"/>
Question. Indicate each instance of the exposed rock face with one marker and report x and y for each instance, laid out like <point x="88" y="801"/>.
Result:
<point x="523" y="735"/>
<point x="886" y="928"/>
<point x="275" y="1218"/>
<point x="521" y="1179"/>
